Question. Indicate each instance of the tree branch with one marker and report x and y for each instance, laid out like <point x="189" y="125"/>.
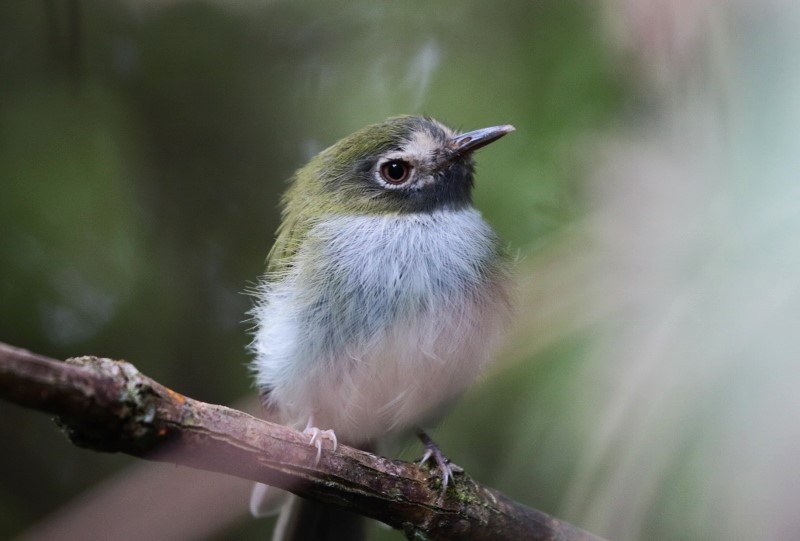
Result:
<point x="110" y="406"/>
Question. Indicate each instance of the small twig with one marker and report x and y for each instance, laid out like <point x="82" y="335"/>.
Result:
<point x="108" y="405"/>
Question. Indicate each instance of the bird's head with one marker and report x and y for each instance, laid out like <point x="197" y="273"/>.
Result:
<point x="405" y="164"/>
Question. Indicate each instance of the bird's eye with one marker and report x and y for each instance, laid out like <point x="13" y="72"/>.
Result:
<point x="395" y="171"/>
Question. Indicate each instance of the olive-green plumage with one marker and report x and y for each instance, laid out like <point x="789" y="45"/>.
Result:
<point x="385" y="292"/>
<point x="338" y="181"/>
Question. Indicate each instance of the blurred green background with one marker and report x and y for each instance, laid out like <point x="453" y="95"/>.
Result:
<point x="143" y="149"/>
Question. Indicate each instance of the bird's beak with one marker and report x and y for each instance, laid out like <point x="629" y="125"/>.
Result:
<point x="472" y="141"/>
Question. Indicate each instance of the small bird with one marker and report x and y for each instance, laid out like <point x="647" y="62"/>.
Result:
<point x="384" y="296"/>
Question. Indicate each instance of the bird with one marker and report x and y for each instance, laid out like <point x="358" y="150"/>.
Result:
<point x="385" y="295"/>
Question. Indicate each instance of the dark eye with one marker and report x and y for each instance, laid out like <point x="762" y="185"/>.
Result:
<point x="395" y="171"/>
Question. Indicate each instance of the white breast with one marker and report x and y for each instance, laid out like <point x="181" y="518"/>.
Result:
<point x="380" y="320"/>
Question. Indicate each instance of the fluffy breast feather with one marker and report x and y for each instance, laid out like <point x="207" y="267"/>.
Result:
<point x="379" y="320"/>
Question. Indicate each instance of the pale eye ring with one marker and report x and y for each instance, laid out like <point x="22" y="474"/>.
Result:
<point x="395" y="171"/>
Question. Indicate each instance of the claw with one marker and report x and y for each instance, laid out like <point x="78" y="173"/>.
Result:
<point x="433" y="451"/>
<point x="316" y="437"/>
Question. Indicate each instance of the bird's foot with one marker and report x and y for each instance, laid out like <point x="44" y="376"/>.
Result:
<point x="433" y="451"/>
<point x="316" y="436"/>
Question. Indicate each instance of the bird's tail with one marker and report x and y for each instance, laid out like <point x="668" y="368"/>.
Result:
<point x="306" y="520"/>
